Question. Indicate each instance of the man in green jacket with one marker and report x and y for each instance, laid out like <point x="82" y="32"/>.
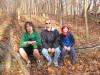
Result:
<point x="29" y="44"/>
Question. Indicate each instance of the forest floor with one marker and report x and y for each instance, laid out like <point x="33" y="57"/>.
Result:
<point x="88" y="51"/>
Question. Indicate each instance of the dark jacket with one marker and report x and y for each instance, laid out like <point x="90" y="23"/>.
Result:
<point x="50" y="39"/>
<point x="67" y="40"/>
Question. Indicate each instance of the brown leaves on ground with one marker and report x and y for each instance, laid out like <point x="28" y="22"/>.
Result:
<point x="87" y="63"/>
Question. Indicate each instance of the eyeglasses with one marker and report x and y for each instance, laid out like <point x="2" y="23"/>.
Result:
<point x="47" y="23"/>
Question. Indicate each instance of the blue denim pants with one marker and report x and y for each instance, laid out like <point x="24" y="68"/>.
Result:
<point x="72" y="53"/>
<point x="47" y="56"/>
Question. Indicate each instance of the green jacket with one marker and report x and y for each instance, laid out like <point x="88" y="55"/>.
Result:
<point x="35" y="36"/>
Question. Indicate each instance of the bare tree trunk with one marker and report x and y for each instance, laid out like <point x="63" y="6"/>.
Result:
<point x="86" y="19"/>
<point x="95" y="10"/>
<point x="30" y="10"/>
<point x="18" y="13"/>
<point x="66" y="7"/>
<point x="61" y="12"/>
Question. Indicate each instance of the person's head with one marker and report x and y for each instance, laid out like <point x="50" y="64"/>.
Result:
<point x="65" y="29"/>
<point x="48" y="23"/>
<point x="29" y="26"/>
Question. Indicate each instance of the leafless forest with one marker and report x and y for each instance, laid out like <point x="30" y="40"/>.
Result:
<point x="83" y="17"/>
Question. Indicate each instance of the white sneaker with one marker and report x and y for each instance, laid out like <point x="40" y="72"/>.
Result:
<point x="39" y="63"/>
<point x="56" y="64"/>
<point x="29" y="64"/>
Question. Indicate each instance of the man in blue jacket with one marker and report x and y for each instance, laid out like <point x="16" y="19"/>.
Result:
<point x="67" y="44"/>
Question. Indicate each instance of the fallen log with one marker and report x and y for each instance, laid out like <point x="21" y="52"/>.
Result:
<point x="18" y="57"/>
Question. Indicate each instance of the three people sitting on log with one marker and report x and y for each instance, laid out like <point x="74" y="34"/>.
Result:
<point x="52" y="43"/>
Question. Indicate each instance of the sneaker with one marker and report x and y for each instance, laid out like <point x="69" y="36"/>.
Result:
<point x="29" y="65"/>
<point x="56" y="64"/>
<point x="49" y="63"/>
<point x="73" y="62"/>
<point x="62" y="63"/>
<point x="39" y="63"/>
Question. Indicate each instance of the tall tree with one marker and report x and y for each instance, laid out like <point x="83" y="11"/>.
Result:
<point x="86" y="19"/>
<point x="61" y="12"/>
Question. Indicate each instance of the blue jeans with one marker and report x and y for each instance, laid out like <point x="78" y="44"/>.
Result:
<point x="72" y="53"/>
<point x="47" y="56"/>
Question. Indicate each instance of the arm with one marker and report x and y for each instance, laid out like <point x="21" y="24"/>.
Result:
<point x="60" y="40"/>
<point x="57" y="38"/>
<point x="23" y="42"/>
<point x="38" y="39"/>
<point x="72" y="42"/>
<point x="72" y="39"/>
<point x="44" y="43"/>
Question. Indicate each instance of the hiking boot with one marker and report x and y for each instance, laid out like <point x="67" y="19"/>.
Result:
<point x="62" y="63"/>
<point x="39" y="63"/>
<point x="56" y="64"/>
<point x="29" y="65"/>
<point x="73" y="62"/>
<point x="49" y="63"/>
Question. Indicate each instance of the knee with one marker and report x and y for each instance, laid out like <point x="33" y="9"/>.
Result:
<point x="44" y="51"/>
<point x="63" y="50"/>
<point x="35" y="51"/>
<point x="73" y="52"/>
<point x="57" y="50"/>
<point x="21" y="50"/>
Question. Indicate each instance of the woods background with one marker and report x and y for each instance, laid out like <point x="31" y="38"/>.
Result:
<point x="83" y="17"/>
<point x="60" y="8"/>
